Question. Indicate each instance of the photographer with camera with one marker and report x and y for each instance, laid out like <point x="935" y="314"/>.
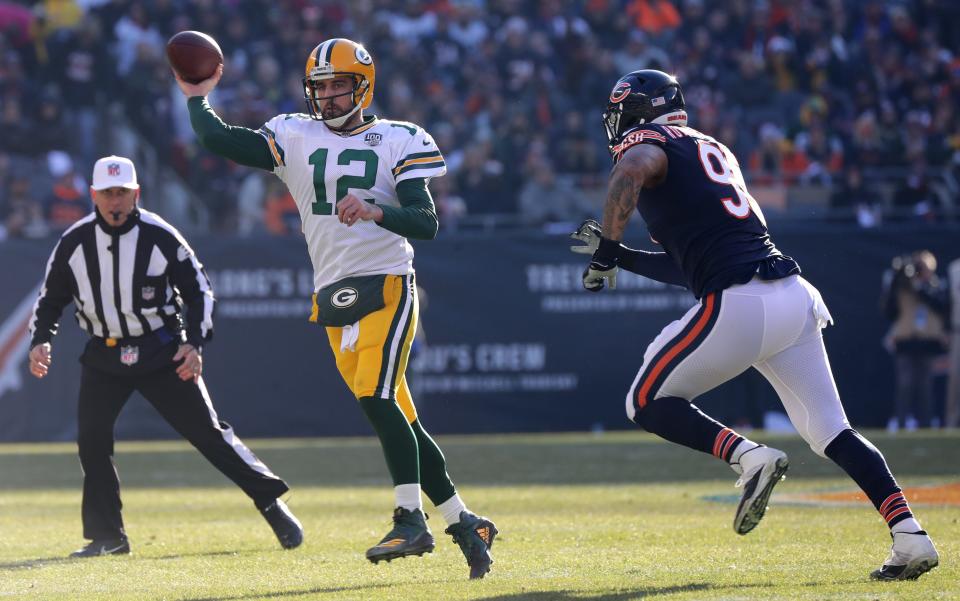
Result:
<point x="914" y="300"/>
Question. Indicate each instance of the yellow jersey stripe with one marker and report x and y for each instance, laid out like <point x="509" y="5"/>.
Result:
<point x="407" y="163"/>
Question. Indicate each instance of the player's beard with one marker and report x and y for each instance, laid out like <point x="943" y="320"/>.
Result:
<point x="331" y="110"/>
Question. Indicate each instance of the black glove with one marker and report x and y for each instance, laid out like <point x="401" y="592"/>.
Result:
<point x="603" y="266"/>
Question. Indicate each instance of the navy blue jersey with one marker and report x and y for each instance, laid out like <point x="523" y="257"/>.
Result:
<point x="702" y="214"/>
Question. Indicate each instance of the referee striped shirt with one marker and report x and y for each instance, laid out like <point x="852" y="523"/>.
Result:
<point x="125" y="281"/>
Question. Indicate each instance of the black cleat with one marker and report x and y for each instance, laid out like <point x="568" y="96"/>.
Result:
<point x="475" y="536"/>
<point x="104" y="546"/>
<point x="285" y="525"/>
<point x="409" y="536"/>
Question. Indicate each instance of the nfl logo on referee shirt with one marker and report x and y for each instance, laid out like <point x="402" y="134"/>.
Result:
<point x="148" y="292"/>
<point x="373" y="139"/>
<point x="129" y="354"/>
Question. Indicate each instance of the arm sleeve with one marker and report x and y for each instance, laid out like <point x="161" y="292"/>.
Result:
<point x="239" y="144"/>
<point x="416" y="217"/>
<point x="190" y="278"/>
<point x="56" y="292"/>
<point x="656" y="266"/>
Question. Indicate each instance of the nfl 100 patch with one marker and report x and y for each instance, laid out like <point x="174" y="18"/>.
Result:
<point x="129" y="354"/>
<point x="373" y="139"/>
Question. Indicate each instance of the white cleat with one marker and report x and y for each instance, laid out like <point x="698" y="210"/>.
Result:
<point x="911" y="555"/>
<point x="762" y="468"/>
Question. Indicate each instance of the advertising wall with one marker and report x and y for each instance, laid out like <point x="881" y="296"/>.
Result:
<point x="510" y="340"/>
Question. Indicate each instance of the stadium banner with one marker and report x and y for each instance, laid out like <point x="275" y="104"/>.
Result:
<point x="510" y="342"/>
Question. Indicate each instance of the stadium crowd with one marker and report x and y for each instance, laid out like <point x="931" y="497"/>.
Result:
<point x="855" y="97"/>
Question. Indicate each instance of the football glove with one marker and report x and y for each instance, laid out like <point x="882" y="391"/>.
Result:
<point x="590" y="233"/>
<point x="603" y="266"/>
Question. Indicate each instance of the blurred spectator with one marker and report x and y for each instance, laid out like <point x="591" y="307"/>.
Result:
<point x="280" y="213"/>
<point x="822" y="156"/>
<point x="856" y="193"/>
<point x="915" y="303"/>
<point x="548" y="198"/>
<point x="481" y="180"/>
<point x="653" y="16"/>
<point x="638" y="54"/>
<point x="69" y="199"/>
<point x="81" y="67"/>
<point x="22" y="215"/>
<point x="806" y="88"/>
<point x="450" y="207"/>
<point x="575" y="151"/>
<point x="914" y="192"/>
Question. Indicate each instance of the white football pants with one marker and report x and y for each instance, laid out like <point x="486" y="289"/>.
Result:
<point x="774" y="326"/>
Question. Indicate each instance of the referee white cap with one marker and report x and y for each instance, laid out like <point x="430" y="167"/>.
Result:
<point x="114" y="172"/>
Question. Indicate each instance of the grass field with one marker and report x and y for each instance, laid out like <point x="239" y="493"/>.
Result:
<point x="614" y="516"/>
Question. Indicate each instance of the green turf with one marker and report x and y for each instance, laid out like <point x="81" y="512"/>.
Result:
<point x="617" y="516"/>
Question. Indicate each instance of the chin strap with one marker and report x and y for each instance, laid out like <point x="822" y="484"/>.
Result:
<point x="337" y="122"/>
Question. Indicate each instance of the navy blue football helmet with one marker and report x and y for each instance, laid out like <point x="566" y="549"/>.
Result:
<point x="645" y="96"/>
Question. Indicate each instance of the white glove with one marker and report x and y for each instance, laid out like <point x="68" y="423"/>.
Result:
<point x="595" y="274"/>
<point x="590" y="233"/>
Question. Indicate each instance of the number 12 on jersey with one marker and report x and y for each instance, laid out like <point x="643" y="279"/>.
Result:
<point x="322" y="206"/>
<point x="723" y="171"/>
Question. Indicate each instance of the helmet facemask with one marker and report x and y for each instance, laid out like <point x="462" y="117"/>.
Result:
<point x="315" y="102"/>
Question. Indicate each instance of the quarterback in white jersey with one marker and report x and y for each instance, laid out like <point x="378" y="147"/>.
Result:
<point x="360" y="184"/>
<point x="321" y="166"/>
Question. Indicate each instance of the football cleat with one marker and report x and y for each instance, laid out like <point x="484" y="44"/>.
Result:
<point x="285" y="525"/>
<point x="409" y="536"/>
<point x="475" y="536"/>
<point x="104" y="546"/>
<point x="762" y="468"/>
<point x="911" y="555"/>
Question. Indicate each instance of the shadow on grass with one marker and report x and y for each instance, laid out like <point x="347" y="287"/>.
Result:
<point x="638" y="593"/>
<point x="34" y="563"/>
<point x="627" y="595"/>
<point x="40" y="562"/>
<point x="296" y="593"/>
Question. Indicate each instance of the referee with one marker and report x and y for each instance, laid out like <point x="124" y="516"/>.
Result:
<point x="144" y="298"/>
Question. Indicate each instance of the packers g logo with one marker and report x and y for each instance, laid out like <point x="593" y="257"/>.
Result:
<point x="363" y="57"/>
<point x="620" y="91"/>
<point x="344" y="297"/>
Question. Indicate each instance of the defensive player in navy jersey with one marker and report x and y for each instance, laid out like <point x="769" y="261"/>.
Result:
<point x="754" y="311"/>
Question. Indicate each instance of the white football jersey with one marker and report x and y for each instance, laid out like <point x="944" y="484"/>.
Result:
<point x="320" y="167"/>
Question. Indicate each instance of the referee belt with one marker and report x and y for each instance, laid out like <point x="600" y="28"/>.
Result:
<point x="163" y="335"/>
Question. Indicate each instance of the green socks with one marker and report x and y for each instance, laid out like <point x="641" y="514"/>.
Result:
<point x="397" y="439"/>
<point x="434" y="479"/>
<point x="412" y="456"/>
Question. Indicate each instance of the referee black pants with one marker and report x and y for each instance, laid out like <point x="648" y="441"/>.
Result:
<point x="187" y="407"/>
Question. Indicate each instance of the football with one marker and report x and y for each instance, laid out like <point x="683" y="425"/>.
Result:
<point x="194" y="55"/>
